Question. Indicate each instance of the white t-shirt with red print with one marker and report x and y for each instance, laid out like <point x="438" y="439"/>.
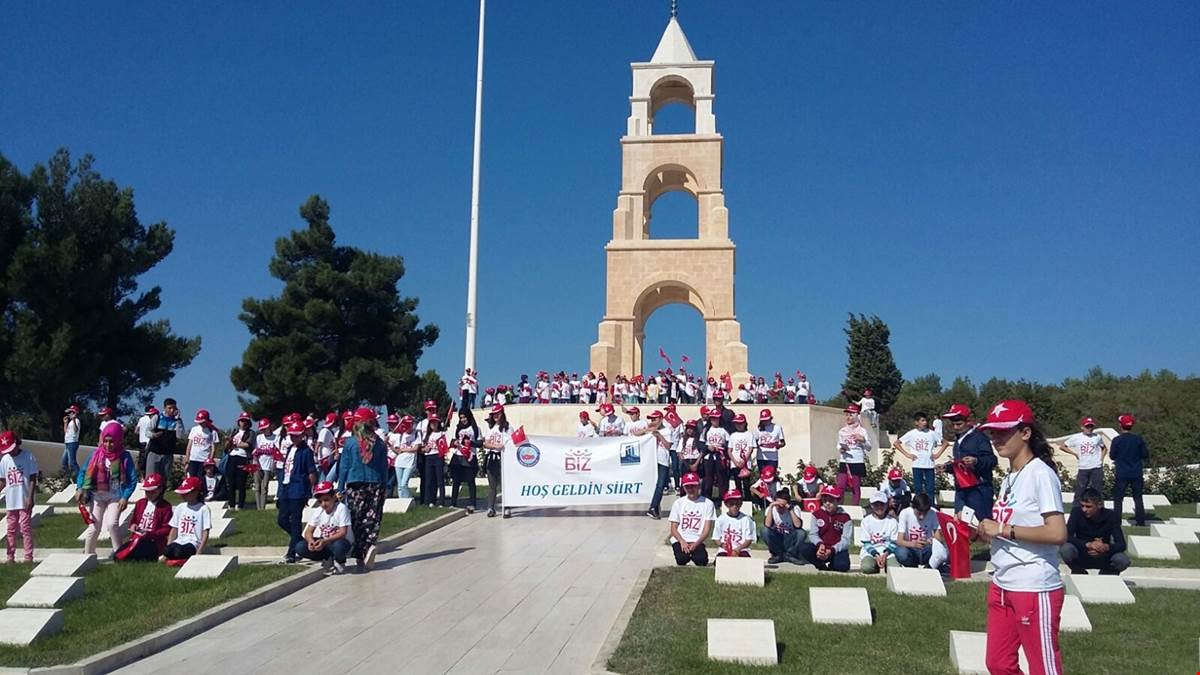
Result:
<point x="741" y="448"/>
<point x="769" y="438"/>
<point x="717" y="439"/>
<point x="147" y="522"/>
<point x="1024" y="497"/>
<point x="203" y="440"/>
<point x="690" y="517"/>
<point x="189" y="520"/>
<point x="912" y="527"/>
<point x="1088" y="448"/>
<point x="738" y="530"/>
<point x="326" y="524"/>
<point x="922" y="444"/>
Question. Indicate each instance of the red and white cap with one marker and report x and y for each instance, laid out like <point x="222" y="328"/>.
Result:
<point x="1087" y="422"/>
<point x="655" y="415"/>
<point x="496" y="409"/>
<point x="210" y="462"/>
<point x="1008" y="414"/>
<point x="331" y="419"/>
<point x="810" y="472"/>
<point x="72" y="408"/>
<point x="692" y="423"/>
<point x="1127" y="421"/>
<point x="732" y="495"/>
<point x="295" y="428"/>
<point x="264" y="424"/>
<point x="433" y="417"/>
<point x="831" y="491"/>
<point x="739" y="419"/>
<point x="767" y="472"/>
<point x="895" y="474"/>
<point x="584" y="416"/>
<point x="245" y="416"/>
<point x="347" y="417"/>
<point x="714" y="413"/>
<point x="868" y="392"/>
<point x="309" y="422"/>
<point x="852" y="408"/>
<point x="202" y="416"/>
<point x="8" y="441"/>
<point x="364" y="414"/>
<point x="704" y="411"/>
<point x="153" y="482"/>
<point x="105" y="411"/>
<point x="430" y="405"/>
<point x="690" y="479"/>
<point x="189" y="484"/>
<point x="605" y="409"/>
<point x="633" y="410"/>
<point x="393" y="419"/>
<point x="718" y="395"/>
<point x="764" y="415"/>
<point x="323" y="488"/>
<point x="958" y="410"/>
<point x="292" y="417"/>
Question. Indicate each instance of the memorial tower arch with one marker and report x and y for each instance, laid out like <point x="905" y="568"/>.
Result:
<point x="644" y="274"/>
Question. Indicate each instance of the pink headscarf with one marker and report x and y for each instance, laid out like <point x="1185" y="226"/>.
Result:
<point x="98" y="472"/>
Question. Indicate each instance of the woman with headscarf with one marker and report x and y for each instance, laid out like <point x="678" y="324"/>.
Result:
<point x="238" y="451"/>
<point x="362" y="478"/>
<point x="104" y="485"/>
<point x="464" y="463"/>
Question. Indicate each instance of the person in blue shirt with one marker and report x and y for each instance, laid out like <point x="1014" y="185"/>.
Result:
<point x="362" y="478"/>
<point x="1129" y="454"/>
<point x="297" y="476"/>
<point x="973" y="449"/>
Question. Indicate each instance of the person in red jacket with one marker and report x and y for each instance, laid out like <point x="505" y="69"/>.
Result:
<point x="828" y="545"/>
<point x="150" y="524"/>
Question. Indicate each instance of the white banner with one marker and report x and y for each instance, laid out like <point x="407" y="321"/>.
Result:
<point x="556" y="471"/>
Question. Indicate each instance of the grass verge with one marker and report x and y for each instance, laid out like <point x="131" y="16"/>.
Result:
<point x="667" y="633"/>
<point x="115" y="607"/>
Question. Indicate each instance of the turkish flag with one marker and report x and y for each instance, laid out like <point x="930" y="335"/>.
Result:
<point x="958" y="541"/>
<point x="964" y="477"/>
<point x="685" y="359"/>
<point x="518" y="436"/>
<point x="664" y="356"/>
<point x="673" y="418"/>
<point x="810" y="505"/>
<point x="442" y="446"/>
<point x="728" y="381"/>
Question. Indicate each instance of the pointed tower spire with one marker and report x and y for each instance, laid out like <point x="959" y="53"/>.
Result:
<point x="674" y="8"/>
<point x="674" y="46"/>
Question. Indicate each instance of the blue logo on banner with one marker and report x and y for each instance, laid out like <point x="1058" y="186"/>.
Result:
<point x="630" y="454"/>
<point x="528" y="455"/>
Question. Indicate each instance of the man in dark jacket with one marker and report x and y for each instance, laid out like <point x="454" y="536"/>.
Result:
<point x="1094" y="537"/>
<point x="974" y="451"/>
<point x="1129" y="454"/>
<point x="726" y="413"/>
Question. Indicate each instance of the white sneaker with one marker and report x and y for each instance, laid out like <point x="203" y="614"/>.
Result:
<point x="369" y="560"/>
<point x="338" y="568"/>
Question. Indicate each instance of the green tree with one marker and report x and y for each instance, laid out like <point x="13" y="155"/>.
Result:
<point x="78" y="321"/>
<point x="430" y="387"/>
<point x="339" y="334"/>
<point x="924" y="394"/>
<point x="870" y="363"/>
<point x="16" y="216"/>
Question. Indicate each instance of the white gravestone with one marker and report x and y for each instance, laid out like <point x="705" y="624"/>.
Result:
<point x="1156" y="548"/>
<point x="1073" y="619"/>
<point x="733" y="571"/>
<point x="1191" y="523"/>
<point x="914" y="581"/>
<point x="221" y="527"/>
<point x="20" y="627"/>
<point x="397" y="505"/>
<point x="207" y="566"/>
<point x="746" y="641"/>
<point x="840" y="605"/>
<point x="968" y="653"/>
<point x="1178" y="534"/>
<point x="65" y="565"/>
<point x="46" y="592"/>
<point x="63" y="497"/>
<point x="1098" y="589"/>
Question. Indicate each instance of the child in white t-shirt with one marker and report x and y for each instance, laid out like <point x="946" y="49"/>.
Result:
<point x="18" y="480"/>
<point x="329" y="536"/>
<point x="734" y="531"/>
<point x="190" y="523"/>
<point x="692" y="517"/>
<point x="201" y="444"/>
<point x="877" y="534"/>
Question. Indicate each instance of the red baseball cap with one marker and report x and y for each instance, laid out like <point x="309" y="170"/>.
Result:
<point x="634" y="410"/>
<point x="831" y="491"/>
<point x="433" y="417"/>
<point x="704" y="411"/>
<point x="245" y="416"/>
<point x="105" y="411"/>
<point x="365" y="414"/>
<point x="330" y="419"/>
<point x="496" y="409"/>
<point x="691" y="479"/>
<point x="764" y="414"/>
<point x="583" y="415"/>
<point x="852" y="408"/>
<point x="295" y="428"/>
<point x="605" y="409"/>
<point x="1087" y="422"/>
<point x="8" y="441"/>
<point x="430" y="405"/>
<point x="1127" y="421"/>
<point x="691" y="423"/>
<point x="309" y="422"/>
<point x="867" y="392"/>
<point x="810" y="472"/>
<point x="201" y="416"/>
<point x="739" y="419"/>
<point x="767" y="472"/>
<point x="731" y="495"/>
<point x="958" y="410"/>
<point x="713" y="412"/>
<point x="322" y="488"/>
<point x="72" y="408"/>
<point x="655" y="415"/>
<point x="153" y="482"/>
<point x="264" y="424"/>
<point x="189" y="484"/>
<point x="718" y="395"/>
<point x="1008" y="414"/>
<point x="895" y="474"/>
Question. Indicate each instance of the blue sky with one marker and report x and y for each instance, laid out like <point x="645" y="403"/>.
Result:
<point x="1014" y="188"/>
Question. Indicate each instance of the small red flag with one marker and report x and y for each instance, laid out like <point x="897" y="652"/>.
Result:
<point x="673" y="418"/>
<point x="685" y="359"/>
<point x="442" y="446"/>
<point x="518" y="436"/>
<point x="664" y="356"/>
<point x="810" y="505"/>
<point x="710" y="366"/>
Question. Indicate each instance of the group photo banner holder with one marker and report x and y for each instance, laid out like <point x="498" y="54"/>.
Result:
<point x="557" y="471"/>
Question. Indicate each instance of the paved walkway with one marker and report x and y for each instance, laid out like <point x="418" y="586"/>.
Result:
<point x="537" y="593"/>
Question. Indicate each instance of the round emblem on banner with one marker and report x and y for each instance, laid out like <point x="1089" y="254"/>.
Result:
<point x="528" y="455"/>
<point x="820" y="522"/>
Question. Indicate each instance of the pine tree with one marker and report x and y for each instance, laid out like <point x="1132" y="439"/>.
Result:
<point x="339" y="334"/>
<point x="870" y="363"/>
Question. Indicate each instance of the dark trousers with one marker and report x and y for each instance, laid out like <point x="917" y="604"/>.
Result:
<point x="463" y="473"/>
<point x="698" y="556"/>
<point x="664" y="476"/>
<point x="236" y="481"/>
<point x="493" y="476"/>
<point x="1137" y="484"/>
<point x="195" y="468"/>
<point x="466" y="400"/>
<point x="1088" y="478"/>
<point x="1080" y="562"/>
<point x="179" y="552"/>
<point x="433" y="480"/>
<point x="291" y="511"/>
<point x="337" y="549"/>
<point x="978" y="498"/>
<point x="675" y="470"/>
<point x="713" y="474"/>
<point x="838" y="562"/>
<point x="146" y="550"/>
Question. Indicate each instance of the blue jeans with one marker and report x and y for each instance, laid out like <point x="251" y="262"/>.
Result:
<point x="675" y="474"/>
<point x="70" y="458"/>
<point x="923" y="481"/>
<point x="781" y="544"/>
<point x="337" y="549"/>
<point x="291" y="511"/>
<point x="402" y="475"/>
<point x="979" y="498"/>
<point x="664" y="475"/>
<point x="912" y="557"/>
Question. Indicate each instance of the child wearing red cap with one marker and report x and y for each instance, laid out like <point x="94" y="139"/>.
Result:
<point x="297" y="476"/>
<point x="692" y="518"/>
<point x="769" y="439"/>
<point x="211" y="483"/>
<point x="734" y="532"/>
<point x="435" y="445"/>
<point x="783" y="529"/>
<point x="895" y="489"/>
<point x="18" y="480"/>
<point x="742" y="448"/>
<point x="402" y="444"/>
<point x="1025" y="529"/>
<point x="238" y="451"/>
<point x="329" y="535"/>
<point x="852" y="455"/>
<point x="201" y="443"/>
<point x="585" y="429"/>
<point x="810" y="484"/>
<point x="688" y="449"/>
<point x="190" y="523"/>
<point x="150" y="525"/>
<point x="1089" y="448"/>
<point x="1129" y="455"/>
<point x="497" y="437"/>
<point x="266" y="444"/>
<point x="828" y="545"/>
<point x="714" y="465"/>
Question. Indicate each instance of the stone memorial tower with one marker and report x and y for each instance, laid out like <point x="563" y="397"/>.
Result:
<point x="643" y="273"/>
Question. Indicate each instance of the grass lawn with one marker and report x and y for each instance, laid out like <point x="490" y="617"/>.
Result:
<point x="126" y="601"/>
<point x="251" y="528"/>
<point x="667" y="633"/>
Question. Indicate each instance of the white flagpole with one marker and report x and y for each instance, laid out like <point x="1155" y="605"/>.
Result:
<point x="473" y="258"/>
